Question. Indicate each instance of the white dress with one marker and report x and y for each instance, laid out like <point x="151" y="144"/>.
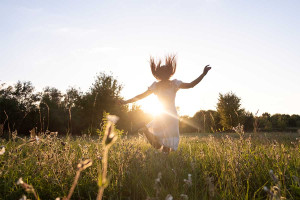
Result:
<point x="166" y="125"/>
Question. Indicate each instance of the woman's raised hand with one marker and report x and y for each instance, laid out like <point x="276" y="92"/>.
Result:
<point x="206" y="69"/>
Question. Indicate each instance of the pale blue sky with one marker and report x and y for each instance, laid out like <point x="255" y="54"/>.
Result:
<point x="252" y="46"/>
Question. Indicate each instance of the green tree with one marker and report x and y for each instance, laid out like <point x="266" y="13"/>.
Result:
<point x="53" y="116"/>
<point x="18" y="107"/>
<point x="228" y="107"/>
<point x="72" y="105"/>
<point x="294" y="121"/>
<point x="206" y="121"/>
<point x="280" y="121"/>
<point x="265" y="122"/>
<point x="247" y="119"/>
<point x="136" y="117"/>
<point x="186" y="125"/>
<point x="103" y="96"/>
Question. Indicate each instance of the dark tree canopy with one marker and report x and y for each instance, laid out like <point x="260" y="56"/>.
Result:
<point x="77" y="112"/>
<point x="229" y="109"/>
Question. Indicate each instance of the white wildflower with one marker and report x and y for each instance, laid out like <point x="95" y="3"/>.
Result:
<point x="184" y="197"/>
<point x="188" y="181"/>
<point x="273" y="176"/>
<point x="112" y="118"/>
<point x="159" y="175"/>
<point x="266" y="188"/>
<point x="20" y="181"/>
<point x="37" y="139"/>
<point x="169" y="197"/>
<point x="23" y="197"/>
<point x="157" y="180"/>
<point x="2" y="151"/>
<point x="190" y="177"/>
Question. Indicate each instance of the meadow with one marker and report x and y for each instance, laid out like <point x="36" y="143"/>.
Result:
<point x="206" y="166"/>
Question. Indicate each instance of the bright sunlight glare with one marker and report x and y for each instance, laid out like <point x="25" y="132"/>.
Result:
<point x="151" y="105"/>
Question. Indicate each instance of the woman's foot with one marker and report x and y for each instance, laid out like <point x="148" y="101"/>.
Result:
<point x="166" y="150"/>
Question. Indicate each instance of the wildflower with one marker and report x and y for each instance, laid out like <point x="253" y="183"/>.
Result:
<point x="112" y="118"/>
<point x="2" y="151"/>
<point x="157" y="180"/>
<point x="211" y="186"/>
<point x="23" y="197"/>
<point x="110" y="136"/>
<point x="28" y="188"/>
<point x="273" y="176"/>
<point x="159" y="175"/>
<point x="184" y="197"/>
<point x="37" y="139"/>
<point x="239" y="129"/>
<point x="169" y="197"/>
<point x="20" y="181"/>
<point x="188" y="181"/>
<point x="266" y="189"/>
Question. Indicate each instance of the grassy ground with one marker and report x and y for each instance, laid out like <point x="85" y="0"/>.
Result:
<point x="221" y="166"/>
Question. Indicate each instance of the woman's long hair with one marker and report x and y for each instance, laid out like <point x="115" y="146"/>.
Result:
<point x="163" y="72"/>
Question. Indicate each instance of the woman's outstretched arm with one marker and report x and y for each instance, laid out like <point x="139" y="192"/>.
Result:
<point x="197" y="80"/>
<point x="136" y="98"/>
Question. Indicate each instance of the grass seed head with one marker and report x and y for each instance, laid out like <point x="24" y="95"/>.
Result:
<point x="84" y="164"/>
<point x="110" y="137"/>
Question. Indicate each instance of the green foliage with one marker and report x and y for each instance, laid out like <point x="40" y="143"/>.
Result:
<point x="222" y="166"/>
<point x="74" y="112"/>
<point x="18" y="106"/>
<point x="77" y="113"/>
<point x="247" y="119"/>
<point x="228" y="107"/>
<point x="207" y="121"/>
<point x="103" y="125"/>
<point x="187" y="125"/>
<point x="135" y="117"/>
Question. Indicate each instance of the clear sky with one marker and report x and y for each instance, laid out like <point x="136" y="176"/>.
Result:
<point x="252" y="46"/>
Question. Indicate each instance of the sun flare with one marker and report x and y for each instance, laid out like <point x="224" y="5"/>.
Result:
<point x="151" y="105"/>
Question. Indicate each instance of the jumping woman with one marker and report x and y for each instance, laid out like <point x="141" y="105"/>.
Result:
<point x="163" y="131"/>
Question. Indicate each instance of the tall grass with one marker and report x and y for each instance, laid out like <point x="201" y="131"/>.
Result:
<point x="206" y="166"/>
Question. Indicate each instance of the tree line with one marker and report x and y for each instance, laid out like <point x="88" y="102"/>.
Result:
<point x="229" y="114"/>
<point x="76" y="112"/>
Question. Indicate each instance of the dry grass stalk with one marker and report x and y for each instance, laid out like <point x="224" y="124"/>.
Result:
<point x="80" y="167"/>
<point x="108" y="140"/>
<point x="256" y="123"/>
<point x="28" y="188"/>
<point x="1" y="129"/>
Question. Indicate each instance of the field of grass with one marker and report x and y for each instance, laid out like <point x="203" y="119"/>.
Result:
<point x="206" y="166"/>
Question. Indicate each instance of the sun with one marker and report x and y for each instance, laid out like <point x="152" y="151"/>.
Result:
<point x="151" y="105"/>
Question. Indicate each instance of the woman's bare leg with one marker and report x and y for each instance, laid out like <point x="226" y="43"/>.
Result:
<point x="153" y="140"/>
